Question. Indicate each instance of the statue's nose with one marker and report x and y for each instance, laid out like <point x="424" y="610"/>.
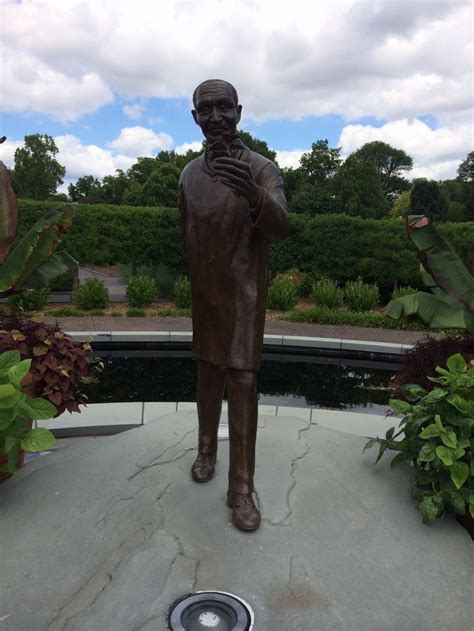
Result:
<point x="215" y="114"/>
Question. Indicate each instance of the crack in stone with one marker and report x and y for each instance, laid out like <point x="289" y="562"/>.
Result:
<point x="156" y="459"/>
<point x="88" y="593"/>
<point x="286" y="520"/>
<point x="100" y="523"/>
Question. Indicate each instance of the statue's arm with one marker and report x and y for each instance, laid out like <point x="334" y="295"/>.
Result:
<point x="182" y="210"/>
<point x="270" y="214"/>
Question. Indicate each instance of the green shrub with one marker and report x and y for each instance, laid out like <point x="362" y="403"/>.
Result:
<point x="402" y="291"/>
<point x="182" y="293"/>
<point x="360" y="296"/>
<point x="30" y="300"/>
<point x="116" y="314"/>
<point x="66" y="312"/>
<point x="347" y="247"/>
<point x="136" y="313"/>
<point x="92" y="294"/>
<point x="141" y="291"/>
<point x="96" y="312"/>
<point x="437" y="439"/>
<point x="282" y="294"/>
<point x="326" y="293"/>
<point x="63" y="282"/>
<point x="372" y="319"/>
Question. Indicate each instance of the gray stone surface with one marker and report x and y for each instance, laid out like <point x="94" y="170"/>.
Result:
<point x="105" y="533"/>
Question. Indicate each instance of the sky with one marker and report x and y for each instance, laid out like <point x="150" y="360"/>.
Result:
<point x="112" y="80"/>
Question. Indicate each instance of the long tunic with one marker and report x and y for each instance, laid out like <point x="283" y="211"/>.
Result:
<point x="227" y="249"/>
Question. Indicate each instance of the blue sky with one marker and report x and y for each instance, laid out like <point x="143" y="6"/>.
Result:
<point x="111" y="85"/>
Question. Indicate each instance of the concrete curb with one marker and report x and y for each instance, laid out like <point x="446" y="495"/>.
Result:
<point x="113" y="418"/>
<point x="289" y="341"/>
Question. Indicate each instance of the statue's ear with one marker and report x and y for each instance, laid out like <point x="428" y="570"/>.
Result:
<point x="193" y="112"/>
<point x="239" y="113"/>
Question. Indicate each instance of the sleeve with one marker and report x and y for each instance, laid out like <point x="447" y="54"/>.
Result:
<point x="270" y="214"/>
<point x="182" y="211"/>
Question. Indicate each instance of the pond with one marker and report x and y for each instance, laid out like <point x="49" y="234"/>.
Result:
<point x="288" y="380"/>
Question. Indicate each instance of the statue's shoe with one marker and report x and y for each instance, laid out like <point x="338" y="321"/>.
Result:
<point x="245" y="515"/>
<point x="203" y="468"/>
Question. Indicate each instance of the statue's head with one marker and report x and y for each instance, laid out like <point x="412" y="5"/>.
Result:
<point x="216" y="108"/>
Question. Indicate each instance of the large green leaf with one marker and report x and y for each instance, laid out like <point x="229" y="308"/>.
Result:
<point x="9" y="359"/>
<point x="437" y="312"/>
<point x="6" y="391"/>
<point x="441" y="261"/>
<point x="18" y="372"/>
<point x="59" y="263"/>
<point x="40" y="409"/>
<point x="459" y="472"/>
<point x="34" y="249"/>
<point x="8" y="213"/>
<point x="38" y="440"/>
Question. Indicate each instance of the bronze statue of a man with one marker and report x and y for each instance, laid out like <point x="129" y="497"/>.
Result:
<point x="232" y="207"/>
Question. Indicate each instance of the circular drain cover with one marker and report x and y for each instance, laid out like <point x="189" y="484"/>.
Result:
<point x="210" y="611"/>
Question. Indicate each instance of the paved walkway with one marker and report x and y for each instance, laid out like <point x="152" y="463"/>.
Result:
<point x="106" y="533"/>
<point x="108" y="323"/>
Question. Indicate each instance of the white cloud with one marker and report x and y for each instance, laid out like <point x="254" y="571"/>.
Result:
<point x="289" y="159"/>
<point x="351" y="57"/>
<point x="195" y="145"/>
<point x="134" y="112"/>
<point x="140" y="141"/>
<point x="436" y="153"/>
<point x="7" y="151"/>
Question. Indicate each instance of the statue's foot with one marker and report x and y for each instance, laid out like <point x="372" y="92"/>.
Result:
<point x="245" y="515"/>
<point x="203" y="468"/>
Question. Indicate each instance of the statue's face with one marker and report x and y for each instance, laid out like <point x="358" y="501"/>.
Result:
<point x="216" y="112"/>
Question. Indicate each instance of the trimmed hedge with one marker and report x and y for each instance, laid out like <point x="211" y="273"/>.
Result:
<point x="372" y="319"/>
<point x="335" y="246"/>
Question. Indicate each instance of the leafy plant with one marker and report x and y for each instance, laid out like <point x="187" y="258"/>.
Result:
<point x="402" y="291"/>
<point x="326" y="293"/>
<point x="283" y="294"/>
<point x="17" y="411"/>
<point x="141" y="291"/>
<point x="438" y="439"/>
<point x="66" y="312"/>
<point x="451" y="301"/>
<point x="182" y="293"/>
<point x="372" y="319"/>
<point x="30" y="300"/>
<point x="419" y="363"/>
<point x="136" y="313"/>
<point x="116" y="314"/>
<point x="92" y="294"/>
<point x="58" y="364"/>
<point x="361" y="296"/>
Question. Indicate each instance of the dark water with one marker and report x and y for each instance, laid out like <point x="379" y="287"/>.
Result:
<point x="300" y="381"/>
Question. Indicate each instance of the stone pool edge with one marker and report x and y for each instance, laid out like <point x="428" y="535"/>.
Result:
<point x="293" y="341"/>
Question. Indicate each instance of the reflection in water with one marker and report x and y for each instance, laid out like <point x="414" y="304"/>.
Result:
<point x="286" y="380"/>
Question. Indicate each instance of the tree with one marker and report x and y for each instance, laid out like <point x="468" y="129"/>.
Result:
<point x="401" y="206"/>
<point x="426" y="199"/>
<point x="85" y="188"/>
<point x="359" y="191"/>
<point x="466" y="169"/>
<point x="161" y="188"/>
<point x="390" y="163"/>
<point x="257" y="145"/>
<point x="114" y="187"/>
<point x="322" y="162"/>
<point x="37" y="174"/>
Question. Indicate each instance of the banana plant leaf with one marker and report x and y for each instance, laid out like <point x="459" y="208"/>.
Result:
<point x="436" y="311"/>
<point x="59" y="263"/>
<point x="34" y="249"/>
<point x="441" y="261"/>
<point x="8" y="213"/>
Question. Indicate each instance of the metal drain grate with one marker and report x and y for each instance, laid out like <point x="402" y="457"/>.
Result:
<point x="210" y="611"/>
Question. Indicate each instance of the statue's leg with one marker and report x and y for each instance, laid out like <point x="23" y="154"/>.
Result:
<point x="243" y="413"/>
<point x="209" y="394"/>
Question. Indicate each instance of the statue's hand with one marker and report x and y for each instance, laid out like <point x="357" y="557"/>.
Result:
<point x="236" y="174"/>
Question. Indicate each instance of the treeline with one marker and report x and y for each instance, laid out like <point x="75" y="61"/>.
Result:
<point x="370" y="183"/>
<point x="337" y="246"/>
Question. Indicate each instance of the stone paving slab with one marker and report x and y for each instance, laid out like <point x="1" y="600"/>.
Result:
<point x="104" y="534"/>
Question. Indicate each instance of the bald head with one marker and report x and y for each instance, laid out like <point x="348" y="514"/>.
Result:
<point x="212" y="85"/>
